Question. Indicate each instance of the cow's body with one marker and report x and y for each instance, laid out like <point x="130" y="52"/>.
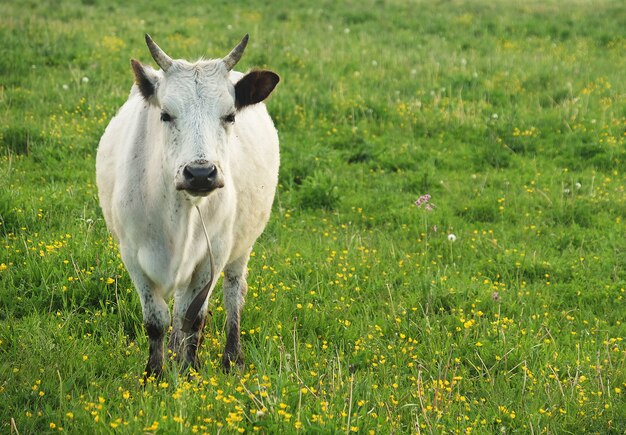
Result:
<point x="153" y="170"/>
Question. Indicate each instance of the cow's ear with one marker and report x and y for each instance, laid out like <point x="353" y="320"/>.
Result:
<point x="255" y="87"/>
<point x="146" y="79"/>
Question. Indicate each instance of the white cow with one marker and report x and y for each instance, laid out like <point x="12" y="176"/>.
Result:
<point x="191" y="135"/>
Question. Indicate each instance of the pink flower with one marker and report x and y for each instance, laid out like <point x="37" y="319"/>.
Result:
<point x="424" y="200"/>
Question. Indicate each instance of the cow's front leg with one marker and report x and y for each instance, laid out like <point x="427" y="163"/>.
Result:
<point x="156" y="314"/>
<point x="156" y="320"/>
<point x="235" y="288"/>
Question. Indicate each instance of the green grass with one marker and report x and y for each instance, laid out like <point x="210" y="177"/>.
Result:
<point x="362" y="315"/>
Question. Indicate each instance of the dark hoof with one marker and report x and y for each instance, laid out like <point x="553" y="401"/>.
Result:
<point x="232" y="363"/>
<point x="152" y="373"/>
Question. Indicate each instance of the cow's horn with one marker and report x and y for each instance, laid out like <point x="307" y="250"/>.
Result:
<point x="159" y="56"/>
<point x="233" y="57"/>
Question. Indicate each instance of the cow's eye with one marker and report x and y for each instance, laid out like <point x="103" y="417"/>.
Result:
<point x="230" y="118"/>
<point x="166" y="117"/>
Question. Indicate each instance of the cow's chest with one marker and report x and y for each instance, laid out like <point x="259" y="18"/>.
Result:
<point x="174" y="254"/>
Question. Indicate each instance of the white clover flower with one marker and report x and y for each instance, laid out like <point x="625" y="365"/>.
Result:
<point x="65" y="87"/>
<point x="85" y="80"/>
<point x="452" y="237"/>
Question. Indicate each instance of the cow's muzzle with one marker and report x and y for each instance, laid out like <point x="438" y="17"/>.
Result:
<point x="199" y="178"/>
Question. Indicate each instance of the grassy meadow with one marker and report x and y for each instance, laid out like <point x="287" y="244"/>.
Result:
<point x="495" y="306"/>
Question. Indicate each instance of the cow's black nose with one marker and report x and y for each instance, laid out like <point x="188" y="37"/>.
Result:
<point x="201" y="177"/>
<point x="200" y="173"/>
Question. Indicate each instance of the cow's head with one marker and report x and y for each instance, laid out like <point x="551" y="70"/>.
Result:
<point x="197" y="107"/>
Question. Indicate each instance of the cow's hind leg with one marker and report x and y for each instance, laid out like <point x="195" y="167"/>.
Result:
<point x="186" y="337"/>
<point x="184" y="345"/>
<point x="156" y="319"/>
<point x="235" y="288"/>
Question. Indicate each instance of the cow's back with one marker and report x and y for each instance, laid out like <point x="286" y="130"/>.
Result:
<point x="255" y="173"/>
<point x="112" y="153"/>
